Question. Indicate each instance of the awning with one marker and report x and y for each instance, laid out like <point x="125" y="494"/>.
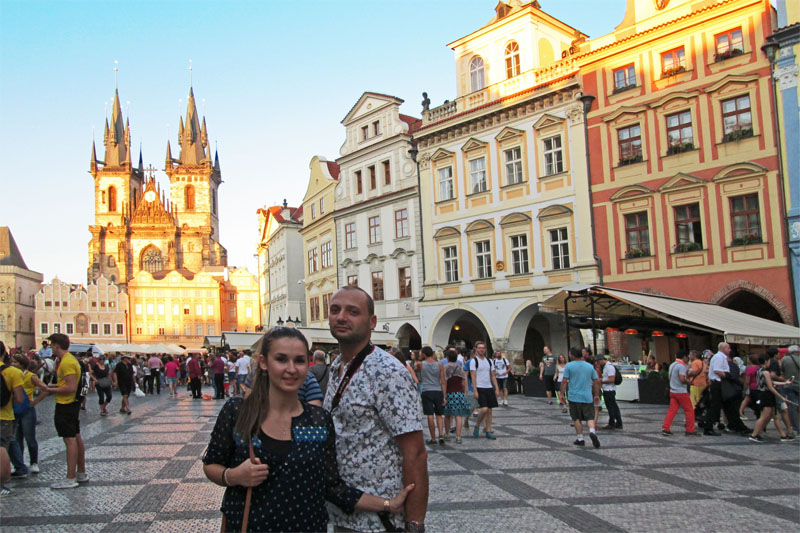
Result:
<point x="237" y="340"/>
<point x="733" y="326"/>
<point x="212" y="341"/>
<point x="252" y="341"/>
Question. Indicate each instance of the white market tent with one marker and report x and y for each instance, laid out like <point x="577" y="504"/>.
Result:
<point x="734" y="326"/>
<point x="141" y="348"/>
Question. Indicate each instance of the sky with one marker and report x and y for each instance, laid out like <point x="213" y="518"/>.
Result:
<point x="273" y="78"/>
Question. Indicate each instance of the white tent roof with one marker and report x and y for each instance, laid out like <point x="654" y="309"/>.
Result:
<point x="734" y="326"/>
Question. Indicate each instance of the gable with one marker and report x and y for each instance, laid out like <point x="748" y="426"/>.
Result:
<point x="448" y="231"/>
<point x="554" y="211"/>
<point x="680" y="96"/>
<point x="508" y="133"/>
<point x="740" y="170"/>
<point x="515" y="218"/>
<point x="632" y="191"/>
<point x="682" y="181"/>
<point x="150" y="209"/>
<point x="632" y="111"/>
<point x="369" y="103"/>
<point x="546" y="121"/>
<point x="473" y="144"/>
<point x="440" y="154"/>
<point x="479" y="225"/>
<point x="732" y="80"/>
<point x="319" y="177"/>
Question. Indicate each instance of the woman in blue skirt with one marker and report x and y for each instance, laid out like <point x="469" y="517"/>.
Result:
<point x="456" y="404"/>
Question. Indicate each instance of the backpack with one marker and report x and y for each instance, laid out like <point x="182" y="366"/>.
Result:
<point x="83" y="382"/>
<point x="5" y="392"/>
<point x="476" y="359"/>
<point x="617" y="376"/>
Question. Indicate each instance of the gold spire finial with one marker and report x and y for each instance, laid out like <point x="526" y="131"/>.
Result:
<point x="151" y="171"/>
<point x="116" y="70"/>
<point x="190" y="73"/>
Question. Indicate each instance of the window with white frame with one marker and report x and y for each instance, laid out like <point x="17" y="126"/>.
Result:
<point x="476" y="74"/>
<point x="327" y="254"/>
<point x="513" y="159"/>
<point x="321" y="205"/>
<point x="313" y="256"/>
<point x="559" y="248"/>
<point x="374" y="229"/>
<point x="151" y="329"/>
<point x="187" y="329"/>
<point x="624" y="78"/>
<point x="477" y="174"/>
<point x="483" y="259"/>
<point x="94" y="329"/>
<point x="70" y="327"/>
<point x="446" y="183"/>
<point x="401" y="223"/>
<point x="211" y="329"/>
<point x="56" y="327"/>
<point x="210" y="310"/>
<point x="198" y="330"/>
<point x="44" y="328"/>
<point x="198" y="309"/>
<point x="512" y="59"/>
<point x="450" y="263"/>
<point x="150" y="309"/>
<point x="121" y="329"/>
<point x="106" y="329"/>
<point x="350" y="235"/>
<point x="553" y="156"/>
<point x="519" y="254"/>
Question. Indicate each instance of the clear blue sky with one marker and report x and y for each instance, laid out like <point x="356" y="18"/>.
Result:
<point x="277" y="78"/>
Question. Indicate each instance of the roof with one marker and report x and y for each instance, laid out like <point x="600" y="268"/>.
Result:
<point x="413" y="123"/>
<point x="240" y="340"/>
<point x="733" y="326"/>
<point x="333" y="168"/>
<point x="185" y="272"/>
<point x="9" y="253"/>
<point x="367" y="94"/>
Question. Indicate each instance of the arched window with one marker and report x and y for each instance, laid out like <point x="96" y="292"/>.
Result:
<point x="214" y="201"/>
<point x="189" y="192"/>
<point x="112" y="199"/>
<point x="2" y="323"/>
<point x="476" y="77"/>
<point x="512" y="59"/>
<point x="152" y="260"/>
<point x="2" y="295"/>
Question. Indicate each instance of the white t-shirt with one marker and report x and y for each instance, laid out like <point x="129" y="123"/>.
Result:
<point x="484" y="372"/>
<point x="719" y="361"/>
<point x="243" y="365"/>
<point x="609" y="373"/>
<point x="501" y="367"/>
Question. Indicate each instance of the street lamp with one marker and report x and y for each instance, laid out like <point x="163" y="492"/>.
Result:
<point x="587" y="100"/>
<point x="413" y="152"/>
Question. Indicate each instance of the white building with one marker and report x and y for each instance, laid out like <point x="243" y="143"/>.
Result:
<point x="378" y="234"/>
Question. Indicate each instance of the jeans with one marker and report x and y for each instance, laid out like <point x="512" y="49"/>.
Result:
<point x="103" y="394"/>
<point x="219" y="385"/>
<point x="614" y="415"/>
<point x="154" y="378"/>
<point x="15" y="452"/>
<point x="714" y="405"/>
<point x="26" y="433"/>
<point x="195" y="385"/>
<point x="682" y="400"/>
<point x="793" y="396"/>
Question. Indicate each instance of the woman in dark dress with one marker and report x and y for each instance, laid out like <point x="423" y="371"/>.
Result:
<point x="294" y="444"/>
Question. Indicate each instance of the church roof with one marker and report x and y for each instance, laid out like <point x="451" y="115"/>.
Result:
<point x="9" y="253"/>
<point x="151" y="207"/>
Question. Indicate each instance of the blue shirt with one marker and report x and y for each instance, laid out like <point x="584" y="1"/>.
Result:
<point x="309" y="390"/>
<point x="580" y="375"/>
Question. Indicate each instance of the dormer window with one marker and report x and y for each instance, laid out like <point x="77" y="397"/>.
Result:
<point x="512" y="59"/>
<point x="476" y="76"/>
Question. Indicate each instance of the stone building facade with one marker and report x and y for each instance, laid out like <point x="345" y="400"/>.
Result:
<point x="18" y="288"/>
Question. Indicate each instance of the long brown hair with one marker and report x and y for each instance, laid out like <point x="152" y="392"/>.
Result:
<point x="256" y="405"/>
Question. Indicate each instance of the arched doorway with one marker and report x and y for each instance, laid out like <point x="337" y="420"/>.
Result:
<point x="461" y="328"/>
<point x="538" y="330"/>
<point x="752" y="304"/>
<point x="408" y="337"/>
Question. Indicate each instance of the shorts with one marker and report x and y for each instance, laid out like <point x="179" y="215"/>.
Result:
<point x="487" y="398"/>
<point x="581" y="411"/>
<point x="432" y="401"/>
<point x="502" y="383"/>
<point x="549" y="383"/>
<point x="6" y="432"/>
<point x="172" y="381"/>
<point x="764" y="399"/>
<point x="67" y="419"/>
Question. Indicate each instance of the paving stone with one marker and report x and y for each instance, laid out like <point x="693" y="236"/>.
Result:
<point x="191" y="450"/>
<point x="152" y="438"/>
<point x="621" y="483"/>
<point x="205" y="497"/>
<point x="150" y="499"/>
<point x="727" y="475"/>
<point x="191" y="525"/>
<point x="143" y="452"/>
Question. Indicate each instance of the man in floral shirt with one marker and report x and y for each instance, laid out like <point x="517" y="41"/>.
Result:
<point x="379" y="442"/>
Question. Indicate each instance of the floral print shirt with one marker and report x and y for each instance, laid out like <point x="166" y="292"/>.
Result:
<point x="379" y="404"/>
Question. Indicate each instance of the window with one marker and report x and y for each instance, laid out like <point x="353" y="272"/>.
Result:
<point x="70" y="327"/>
<point x="745" y="219"/>
<point x="187" y="329"/>
<point x="729" y="44"/>
<point x="350" y="235"/>
<point x="94" y="329"/>
<point x="313" y="304"/>
<point x="624" y="78"/>
<point x="112" y="199"/>
<point x="559" y="248"/>
<point x="3" y="323"/>
<point x="377" y="286"/>
<point x="327" y="254"/>
<point x="446" y="183"/>
<point x="513" y="158"/>
<point x="477" y="174"/>
<point x="138" y="330"/>
<point x="373" y="179"/>
<point x="364" y="133"/>
<point x="232" y="312"/>
<point x="637" y="235"/>
<point x="120" y="329"/>
<point x="352" y="280"/>
<point x="679" y="132"/>
<point x="151" y="329"/>
<point x="519" y="254"/>
<point x="175" y="310"/>
<point x="43" y="328"/>
<point x="736" y="119"/>
<point x="313" y="211"/>
<point x="313" y="256"/>
<point x="210" y="310"/>
<point x="151" y="260"/>
<point x="553" y="156"/>
<point x="673" y="62"/>
<point x="321" y="205"/>
<point x="404" y="278"/>
<point x="450" y="264"/>
<point x="211" y="329"/>
<point x="106" y="329"/>
<point x="198" y="309"/>
<point x="376" y="127"/>
<point x="189" y="192"/>
<point x="326" y="303"/>
<point x="186" y="309"/>
<point x="138" y="308"/>
<point x="477" y="81"/>
<point x="387" y="173"/>
<point x="483" y="259"/>
<point x="198" y="330"/>
<point x="512" y="59"/>
<point x="688" y="230"/>
<point x="150" y="309"/>
<point x="214" y="201"/>
<point x="630" y="145"/>
<point x="374" y="229"/>
<point x="401" y="223"/>
<point x="248" y="312"/>
<point x="359" y="185"/>
<point x="160" y="308"/>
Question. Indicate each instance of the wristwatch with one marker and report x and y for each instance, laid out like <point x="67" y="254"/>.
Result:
<point x="414" y="526"/>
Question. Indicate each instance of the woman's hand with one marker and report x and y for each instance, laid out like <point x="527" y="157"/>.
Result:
<point x="248" y="474"/>
<point x="397" y="504"/>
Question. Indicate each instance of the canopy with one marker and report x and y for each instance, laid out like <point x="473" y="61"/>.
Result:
<point x="733" y="326"/>
<point x="240" y="340"/>
<point x="141" y="348"/>
<point x="76" y="349"/>
<point x="212" y="341"/>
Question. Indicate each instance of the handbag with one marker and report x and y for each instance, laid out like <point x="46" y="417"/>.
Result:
<point x="729" y="390"/>
<point x="104" y="382"/>
<point x="247" y="499"/>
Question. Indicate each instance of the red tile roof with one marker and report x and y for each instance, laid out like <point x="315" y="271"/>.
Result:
<point x="414" y="123"/>
<point x="333" y="168"/>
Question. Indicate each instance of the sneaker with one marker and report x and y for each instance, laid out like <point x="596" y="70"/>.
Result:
<point x="452" y="430"/>
<point x="490" y="435"/>
<point x="34" y="468"/>
<point x="666" y="432"/>
<point x="19" y="474"/>
<point x="757" y="438"/>
<point x="64" y="484"/>
<point x="458" y="440"/>
<point x="788" y="438"/>
<point x="476" y="433"/>
<point x="595" y="440"/>
<point x="431" y="441"/>
<point x="579" y="443"/>
<point x="123" y="411"/>
<point x="445" y="437"/>
<point x="691" y="433"/>
<point x="441" y="441"/>
<point x="6" y="491"/>
<point x="618" y="428"/>
<point x="549" y="403"/>
<point x="82" y="477"/>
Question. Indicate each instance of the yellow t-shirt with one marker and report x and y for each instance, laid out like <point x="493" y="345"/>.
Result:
<point x="13" y="377"/>
<point x="68" y="366"/>
<point x="27" y="384"/>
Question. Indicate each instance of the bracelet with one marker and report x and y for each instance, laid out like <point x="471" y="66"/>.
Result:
<point x="386" y="506"/>
<point x="225" y="477"/>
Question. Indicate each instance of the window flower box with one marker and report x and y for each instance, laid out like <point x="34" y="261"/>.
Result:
<point x="673" y="71"/>
<point x="735" y="135"/>
<point x="630" y="159"/>
<point x="732" y="52"/>
<point x="686" y="247"/>
<point x="753" y="238"/>
<point x="679" y="148"/>
<point x="633" y="253"/>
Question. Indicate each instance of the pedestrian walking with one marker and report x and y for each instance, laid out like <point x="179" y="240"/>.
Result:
<point x="486" y="392"/>
<point x="154" y="364"/>
<point x="124" y="379"/>
<point x="790" y="364"/>
<point x="547" y="372"/>
<point x="195" y="376"/>
<point x="171" y="370"/>
<point x="609" y="375"/>
<point x="26" y="419"/>
<point x="502" y="370"/>
<point x="767" y="394"/>
<point x="100" y="376"/>
<point x="717" y="368"/>
<point x="584" y="390"/>
<point x="242" y="368"/>
<point x="456" y="405"/>
<point x="698" y="376"/>
<point x="320" y="371"/>
<point x="561" y="363"/>
<point x="679" y="396"/>
<point x="432" y="391"/>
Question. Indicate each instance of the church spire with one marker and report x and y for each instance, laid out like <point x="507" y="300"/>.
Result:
<point x="141" y="163"/>
<point x="117" y="137"/>
<point x="93" y="161"/>
<point x="169" y="160"/>
<point x="191" y="135"/>
<point x="216" y="159"/>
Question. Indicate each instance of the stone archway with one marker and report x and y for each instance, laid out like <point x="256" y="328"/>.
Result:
<point x="408" y="337"/>
<point x="460" y="327"/>
<point x="753" y="299"/>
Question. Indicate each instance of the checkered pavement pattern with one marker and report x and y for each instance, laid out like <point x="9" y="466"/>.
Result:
<point x="146" y="475"/>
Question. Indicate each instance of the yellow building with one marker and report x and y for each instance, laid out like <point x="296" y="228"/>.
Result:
<point x="504" y="187"/>
<point x="319" y="241"/>
<point x="18" y="286"/>
<point x="239" y="301"/>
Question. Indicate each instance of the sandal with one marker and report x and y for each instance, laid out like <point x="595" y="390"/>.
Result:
<point x="431" y="441"/>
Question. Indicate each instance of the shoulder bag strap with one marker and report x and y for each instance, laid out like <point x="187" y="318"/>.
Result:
<point x="359" y="358"/>
<point x="249" y="496"/>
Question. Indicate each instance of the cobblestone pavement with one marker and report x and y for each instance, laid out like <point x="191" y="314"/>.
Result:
<point x="146" y="475"/>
